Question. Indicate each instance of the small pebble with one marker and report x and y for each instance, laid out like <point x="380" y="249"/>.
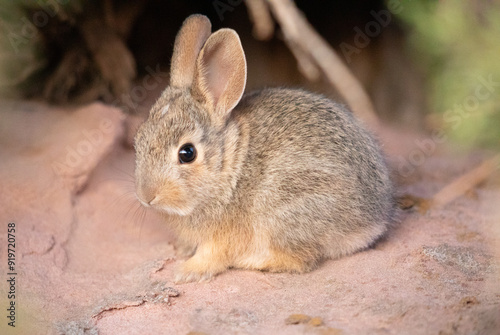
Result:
<point x="296" y="319"/>
<point x="315" y="322"/>
<point x="469" y="301"/>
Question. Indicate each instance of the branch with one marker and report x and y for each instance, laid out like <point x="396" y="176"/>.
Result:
<point x="315" y="55"/>
<point x="465" y="182"/>
<point x="263" y="24"/>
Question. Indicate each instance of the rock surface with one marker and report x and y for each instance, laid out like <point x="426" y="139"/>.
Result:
<point x="90" y="260"/>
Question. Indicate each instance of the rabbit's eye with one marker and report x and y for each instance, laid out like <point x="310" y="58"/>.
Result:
<point x="187" y="153"/>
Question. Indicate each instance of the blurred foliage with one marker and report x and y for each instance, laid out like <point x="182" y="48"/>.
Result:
<point x="20" y="53"/>
<point x="457" y="44"/>
<point x="23" y="56"/>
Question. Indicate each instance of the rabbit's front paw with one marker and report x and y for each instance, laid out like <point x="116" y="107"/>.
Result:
<point x="198" y="269"/>
<point x="187" y="276"/>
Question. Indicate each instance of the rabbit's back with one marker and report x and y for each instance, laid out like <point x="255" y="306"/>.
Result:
<point x="314" y="176"/>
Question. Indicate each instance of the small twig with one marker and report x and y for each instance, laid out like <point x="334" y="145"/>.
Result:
<point x="263" y="29"/>
<point x="306" y="65"/>
<point x="263" y="24"/>
<point x="300" y="35"/>
<point x="464" y="183"/>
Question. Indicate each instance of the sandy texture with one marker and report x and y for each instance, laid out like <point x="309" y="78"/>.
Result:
<point x="89" y="260"/>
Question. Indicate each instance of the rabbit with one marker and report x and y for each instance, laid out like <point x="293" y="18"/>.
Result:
<point x="275" y="180"/>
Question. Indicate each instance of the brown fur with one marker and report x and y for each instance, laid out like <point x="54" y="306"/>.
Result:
<point x="283" y="178"/>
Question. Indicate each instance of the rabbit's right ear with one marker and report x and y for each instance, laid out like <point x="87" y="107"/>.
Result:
<point x="190" y="39"/>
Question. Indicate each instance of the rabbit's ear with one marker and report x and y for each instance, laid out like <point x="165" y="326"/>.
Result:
<point x="221" y="72"/>
<point x="190" y="39"/>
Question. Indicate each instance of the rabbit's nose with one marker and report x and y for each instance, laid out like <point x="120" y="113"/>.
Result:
<point x="146" y="202"/>
<point x="146" y="196"/>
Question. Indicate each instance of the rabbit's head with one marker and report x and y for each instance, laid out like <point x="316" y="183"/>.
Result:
<point x="186" y="151"/>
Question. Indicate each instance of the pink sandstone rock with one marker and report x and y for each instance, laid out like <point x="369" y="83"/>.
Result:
<point x="90" y="260"/>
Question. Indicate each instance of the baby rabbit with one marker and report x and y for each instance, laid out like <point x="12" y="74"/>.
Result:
<point x="274" y="180"/>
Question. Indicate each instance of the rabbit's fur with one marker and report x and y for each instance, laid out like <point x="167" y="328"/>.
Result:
<point x="282" y="178"/>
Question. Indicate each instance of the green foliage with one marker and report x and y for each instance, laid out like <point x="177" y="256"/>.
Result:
<point x="19" y="45"/>
<point x="22" y="51"/>
<point x="457" y="43"/>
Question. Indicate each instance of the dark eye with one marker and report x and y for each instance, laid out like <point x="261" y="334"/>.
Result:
<point x="187" y="153"/>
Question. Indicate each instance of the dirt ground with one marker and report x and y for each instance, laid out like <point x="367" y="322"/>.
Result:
<point x="89" y="260"/>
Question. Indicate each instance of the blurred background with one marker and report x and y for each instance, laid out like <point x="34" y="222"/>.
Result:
<point x="431" y="65"/>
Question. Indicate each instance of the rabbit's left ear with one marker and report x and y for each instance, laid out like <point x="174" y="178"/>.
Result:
<point x="194" y="32"/>
<point x="221" y="73"/>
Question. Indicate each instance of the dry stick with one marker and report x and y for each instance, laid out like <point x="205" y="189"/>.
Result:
<point x="263" y="24"/>
<point x="465" y="182"/>
<point x="299" y="34"/>
<point x="263" y="29"/>
<point x="306" y="65"/>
